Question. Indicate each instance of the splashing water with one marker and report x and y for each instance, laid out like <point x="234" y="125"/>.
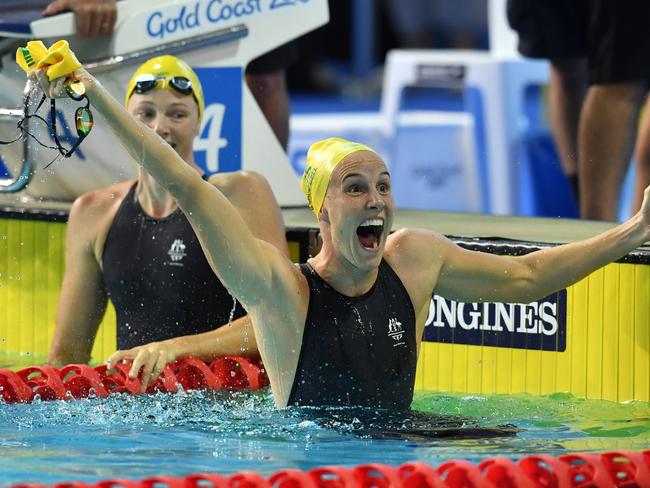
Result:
<point x="226" y="432"/>
<point x="32" y="90"/>
<point x="35" y="131"/>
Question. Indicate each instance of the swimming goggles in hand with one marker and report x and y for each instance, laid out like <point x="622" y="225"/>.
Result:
<point x="83" y="122"/>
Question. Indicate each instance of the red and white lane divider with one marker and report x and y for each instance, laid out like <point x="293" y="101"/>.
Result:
<point x="82" y="381"/>
<point x="623" y="469"/>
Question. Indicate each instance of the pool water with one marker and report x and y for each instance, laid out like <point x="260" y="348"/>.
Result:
<point x="221" y="432"/>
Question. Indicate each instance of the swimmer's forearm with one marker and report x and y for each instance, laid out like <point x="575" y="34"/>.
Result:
<point x="236" y="339"/>
<point x="71" y="349"/>
<point x="558" y="267"/>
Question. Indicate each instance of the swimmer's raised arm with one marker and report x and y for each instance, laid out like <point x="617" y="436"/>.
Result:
<point x="244" y="263"/>
<point x="474" y="276"/>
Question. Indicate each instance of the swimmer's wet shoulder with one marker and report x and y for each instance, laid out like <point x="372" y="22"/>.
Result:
<point x="93" y="212"/>
<point x="417" y="257"/>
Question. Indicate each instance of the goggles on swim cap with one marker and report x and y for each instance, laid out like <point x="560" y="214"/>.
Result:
<point x="166" y="72"/>
<point x="147" y="82"/>
<point x="322" y="157"/>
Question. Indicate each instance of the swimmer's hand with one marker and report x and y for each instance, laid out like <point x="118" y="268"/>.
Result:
<point x="57" y="87"/>
<point x="150" y="360"/>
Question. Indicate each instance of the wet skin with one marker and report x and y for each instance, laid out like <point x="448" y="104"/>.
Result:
<point x="172" y="115"/>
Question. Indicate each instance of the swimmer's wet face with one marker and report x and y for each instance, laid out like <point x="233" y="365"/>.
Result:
<point x="173" y="115"/>
<point x="359" y="209"/>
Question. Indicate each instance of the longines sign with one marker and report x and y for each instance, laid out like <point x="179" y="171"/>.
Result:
<point x="538" y="325"/>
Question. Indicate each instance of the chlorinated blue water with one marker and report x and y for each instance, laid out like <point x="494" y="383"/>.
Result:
<point x="221" y="432"/>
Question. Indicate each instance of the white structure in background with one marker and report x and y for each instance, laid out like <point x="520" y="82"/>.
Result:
<point x="433" y="162"/>
<point x="430" y="154"/>
<point x="497" y="78"/>
<point x="216" y="37"/>
<point x="498" y="86"/>
<point x="433" y="155"/>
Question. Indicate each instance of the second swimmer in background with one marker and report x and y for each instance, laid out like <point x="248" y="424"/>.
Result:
<point x="132" y="243"/>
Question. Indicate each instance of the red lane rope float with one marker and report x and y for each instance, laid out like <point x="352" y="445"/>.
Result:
<point x="416" y="474"/>
<point x="619" y="469"/>
<point x="12" y="387"/>
<point x="291" y="478"/>
<point x="44" y="381"/>
<point x="461" y="473"/>
<point x="545" y="470"/>
<point x="81" y="381"/>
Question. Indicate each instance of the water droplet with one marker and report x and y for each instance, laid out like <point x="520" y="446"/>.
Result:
<point x="232" y="311"/>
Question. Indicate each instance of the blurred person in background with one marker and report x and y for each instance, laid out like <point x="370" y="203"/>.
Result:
<point x="438" y="23"/>
<point x="131" y="243"/>
<point x="93" y="18"/>
<point x="266" y="78"/>
<point x="600" y="68"/>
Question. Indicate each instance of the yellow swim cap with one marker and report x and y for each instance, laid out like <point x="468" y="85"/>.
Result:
<point x="164" y="68"/>
<point x="322" y="157"/>
<point x="59" y="60"/>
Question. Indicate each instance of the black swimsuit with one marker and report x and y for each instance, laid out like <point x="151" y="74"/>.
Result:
<point x="358" y="351"/>
<point x="158" y="278"/>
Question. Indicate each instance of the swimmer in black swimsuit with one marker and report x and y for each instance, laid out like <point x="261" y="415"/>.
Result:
<point x="348" y="188"/>
<point x="133" y="244"/>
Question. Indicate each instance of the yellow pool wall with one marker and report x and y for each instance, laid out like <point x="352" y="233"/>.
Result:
<point x="608" y="328"/>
